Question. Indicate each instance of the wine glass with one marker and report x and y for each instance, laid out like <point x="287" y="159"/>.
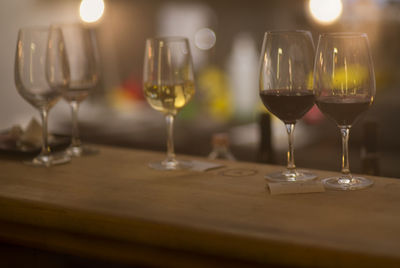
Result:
<point x="82" y="55"/>
<point x="344" y="83"/>
<point x="41" y="76"/>
<point x="286" y="87"/>
<point x="168" y="84"/>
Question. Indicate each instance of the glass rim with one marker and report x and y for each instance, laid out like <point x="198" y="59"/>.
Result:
<point x="69" y="24"/>
<point x="167" y="38"/>
<point x="34" y="28"/>
<point x="344" y="35"/>
<point x="288" y="32"/>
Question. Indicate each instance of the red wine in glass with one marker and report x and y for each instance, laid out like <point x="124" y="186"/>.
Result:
<point x="287" y="59"/>
<point x="288" y="106"/>
<point x="344" y="84"/>
<point x="343" y="110"/>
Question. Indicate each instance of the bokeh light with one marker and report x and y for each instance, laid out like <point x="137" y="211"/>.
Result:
<point x="91" y="10"/>
<point x="326" y="11"/>
<point x="205" y="38"/>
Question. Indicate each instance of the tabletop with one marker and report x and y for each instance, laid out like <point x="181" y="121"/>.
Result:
<point x="113" y="206"/>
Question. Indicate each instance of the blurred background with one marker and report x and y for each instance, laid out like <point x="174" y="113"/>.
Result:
<point x="226" y="38"/>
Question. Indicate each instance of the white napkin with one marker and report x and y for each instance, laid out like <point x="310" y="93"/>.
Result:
<point x="204" y="166"/>
<point x="32" y="135"/>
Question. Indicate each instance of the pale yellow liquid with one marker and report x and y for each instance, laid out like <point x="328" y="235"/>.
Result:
<point x="169" y="98"/>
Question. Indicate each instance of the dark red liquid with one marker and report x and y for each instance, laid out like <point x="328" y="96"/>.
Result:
<point x="343" y="111"/>
<point x="288" y="106"/>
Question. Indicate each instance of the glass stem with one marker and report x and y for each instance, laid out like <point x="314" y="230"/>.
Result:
<point x="170" y="138"/>
<point x="75" y="142"/>
<point x="345" y="131"/>
<point x="290" y="153"/>
<point x="45" y="144"/>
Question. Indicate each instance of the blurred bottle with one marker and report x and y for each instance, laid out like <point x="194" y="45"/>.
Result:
<point x="369" y="150"/>
<point x="220" y="144"/>
<point x="242" y="67"/>
<point x="265" y="151"/>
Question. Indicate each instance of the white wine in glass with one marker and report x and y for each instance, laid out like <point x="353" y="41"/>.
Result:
<point x="41" y="77"/>
<point x="344" y="83"/>
<point x="168" y="84"/>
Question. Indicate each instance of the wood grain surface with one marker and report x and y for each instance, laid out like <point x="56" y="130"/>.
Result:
<point x="112" y="206"/>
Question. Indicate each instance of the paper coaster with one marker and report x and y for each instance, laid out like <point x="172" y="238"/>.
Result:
<point x="204" y="166"/>
<point x="293" y="187"/>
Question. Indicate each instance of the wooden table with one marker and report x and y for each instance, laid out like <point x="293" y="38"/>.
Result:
<point x="112" y="207"/>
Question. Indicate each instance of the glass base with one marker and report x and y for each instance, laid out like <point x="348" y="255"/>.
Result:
<point x="81" y="150"/>
<point x="170" y="165"/>
<point x="347" y="184"/>
<point x="288" y="175"/>
<point x="49" y="160"/>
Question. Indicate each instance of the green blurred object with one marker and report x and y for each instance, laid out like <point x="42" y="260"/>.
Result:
<point x="217" y="96"/>
<point x="190" y="111"/>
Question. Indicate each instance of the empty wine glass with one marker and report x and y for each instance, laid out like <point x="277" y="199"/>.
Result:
<point x="344" y="84"/>
<point x="286" y="87"/>
<point x="82" y="55"/>
<point x="41" y="76"/>
<point x="168" y="84"/>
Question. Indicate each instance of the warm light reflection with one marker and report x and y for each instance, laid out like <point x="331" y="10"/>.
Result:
<point x="327" y="11"/>
<point x="91" y="10"/>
